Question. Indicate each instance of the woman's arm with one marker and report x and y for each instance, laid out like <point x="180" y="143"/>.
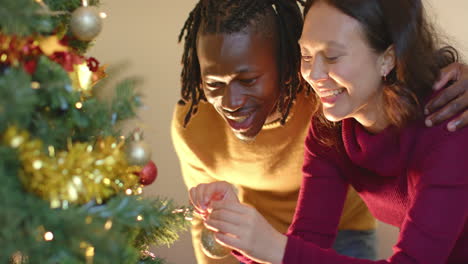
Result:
<point x="434" y="221"/>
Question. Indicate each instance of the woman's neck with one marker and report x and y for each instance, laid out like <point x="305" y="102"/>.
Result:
<point x="372" y="116"/>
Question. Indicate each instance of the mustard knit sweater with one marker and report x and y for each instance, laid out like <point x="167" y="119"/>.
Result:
<point x="267" y="172"/>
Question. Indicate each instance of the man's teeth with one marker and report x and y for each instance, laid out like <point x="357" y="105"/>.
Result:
<point x="332" y="93"/>
<point x="239" y="119"/>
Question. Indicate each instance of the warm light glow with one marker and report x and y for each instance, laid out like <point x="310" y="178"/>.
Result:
<point x="140" y="190"/>
<point x="128" y="192"/>
<point x="48" y="236"/>
<point x="106" y="181"/>
<point x="89" y="252"/>
<point x="103" y="15"/>
<point x="35" y="85"/>
<point x="79" y="105"/>
<point x="108" y="225"/>
<point x="3" y="58"/>
<point x="85" y="2"/>
<point x="37" y="164"/>
<point x="139" y="218"/>
<point x="51" y="151"/>
<point x="85" y="76"/>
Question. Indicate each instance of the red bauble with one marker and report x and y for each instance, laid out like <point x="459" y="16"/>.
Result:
<point x="149" y="173"/>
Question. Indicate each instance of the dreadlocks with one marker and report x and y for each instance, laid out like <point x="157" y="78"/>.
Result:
<point x="232" y="16"/>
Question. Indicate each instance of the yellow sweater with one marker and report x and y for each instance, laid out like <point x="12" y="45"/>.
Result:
<point x="267" y="171"/>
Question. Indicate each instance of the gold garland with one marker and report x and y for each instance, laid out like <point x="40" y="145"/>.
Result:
<point x="83" y="173"/>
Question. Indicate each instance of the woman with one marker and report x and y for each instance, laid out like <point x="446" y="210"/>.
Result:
<point x="410" y="176"/>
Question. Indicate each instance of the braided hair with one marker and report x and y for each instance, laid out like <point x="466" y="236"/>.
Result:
<point x="232" y="16"/>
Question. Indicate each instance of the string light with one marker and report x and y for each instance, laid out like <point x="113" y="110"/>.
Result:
<point x="108" y="225"/>
<point x="139" y="190"/>
<point x="35" y="85"/>
<point x="48" y="236"/>
<point x="89" y="253"/>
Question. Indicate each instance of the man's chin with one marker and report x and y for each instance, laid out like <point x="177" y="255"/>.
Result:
<point x="245" y="137"/>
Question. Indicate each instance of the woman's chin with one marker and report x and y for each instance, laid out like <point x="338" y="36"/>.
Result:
<point x="333" y="117"/>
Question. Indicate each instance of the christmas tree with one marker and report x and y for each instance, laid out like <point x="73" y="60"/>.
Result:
<point x="71" y="183"/>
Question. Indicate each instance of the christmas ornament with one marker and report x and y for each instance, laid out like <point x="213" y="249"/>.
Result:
<point x="83" y="173"/>
<point x="149" y="173"/>
<point x="82" y="79"/>
<point x="210" y="247"/>
<point x="137" y="150"/>
<point x="85" y="23"/>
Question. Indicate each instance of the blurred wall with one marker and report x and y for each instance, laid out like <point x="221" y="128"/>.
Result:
<point x="143" y="35"/>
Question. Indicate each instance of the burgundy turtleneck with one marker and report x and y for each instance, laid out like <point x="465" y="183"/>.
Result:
<point x="415" y="179"/>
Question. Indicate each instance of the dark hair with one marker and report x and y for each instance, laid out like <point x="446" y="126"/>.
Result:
<point x="403" y="24"/>
<point x="231" y="16"/>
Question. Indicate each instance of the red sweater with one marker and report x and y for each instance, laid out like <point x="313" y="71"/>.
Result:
<point x="415" y="179"/>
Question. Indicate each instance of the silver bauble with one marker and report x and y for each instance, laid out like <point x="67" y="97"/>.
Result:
<point x="137" y="150"/>
<point x="85" y="23"/>
<point x="210" y="247"/>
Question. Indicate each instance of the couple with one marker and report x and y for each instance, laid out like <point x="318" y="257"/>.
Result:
<point x="371" y="68"/>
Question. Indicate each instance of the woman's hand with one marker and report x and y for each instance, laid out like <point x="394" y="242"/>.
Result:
<point x="244" y="229"/>
<point x="203" y="194"/>
<point x="452" y="101"/>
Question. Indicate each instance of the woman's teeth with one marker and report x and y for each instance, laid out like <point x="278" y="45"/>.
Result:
<point x="332" y="92"/>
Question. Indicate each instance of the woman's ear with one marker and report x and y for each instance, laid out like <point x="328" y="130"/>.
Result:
<point x="387" y="61"/>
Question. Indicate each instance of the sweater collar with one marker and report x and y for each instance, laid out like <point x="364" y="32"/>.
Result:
<point x="382" y="153"/>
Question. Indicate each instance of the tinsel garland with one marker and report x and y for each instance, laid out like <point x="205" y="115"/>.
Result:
<point x="84" y="172"/>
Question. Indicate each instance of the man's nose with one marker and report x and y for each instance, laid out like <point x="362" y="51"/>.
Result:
<point x="233" y="98"/>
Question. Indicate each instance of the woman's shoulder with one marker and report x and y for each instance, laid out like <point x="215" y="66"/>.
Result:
<point x="438" y="154"/>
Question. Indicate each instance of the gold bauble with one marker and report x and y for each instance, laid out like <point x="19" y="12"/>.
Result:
<point x="85" y="23"/>
<point x="137" y="150"/>
<point x="210" y="247"/>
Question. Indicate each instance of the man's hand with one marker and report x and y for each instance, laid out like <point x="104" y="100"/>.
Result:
<point x="452" y="100"/>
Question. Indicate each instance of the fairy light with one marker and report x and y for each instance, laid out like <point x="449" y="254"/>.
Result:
<point x="35" y="85"/>
<point x="85" y="2"/>
<point x="139" y="190"/>
<point x="128" y="192"/>
<point x="89" y="253"/>
<point x="139" y="218"/>
<point x="3" y="58"/>
<point x="103" y="15"/>
<point x="79" y="105"/>
<point x="51" y="150"/>
<point x="37" y="164"/>
<point x="48" y="236"/>
<point x="108" y="225"/>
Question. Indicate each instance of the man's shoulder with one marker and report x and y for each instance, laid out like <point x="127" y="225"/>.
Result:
<point x="205" y="127"/>
<point x="204" y="117"/>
